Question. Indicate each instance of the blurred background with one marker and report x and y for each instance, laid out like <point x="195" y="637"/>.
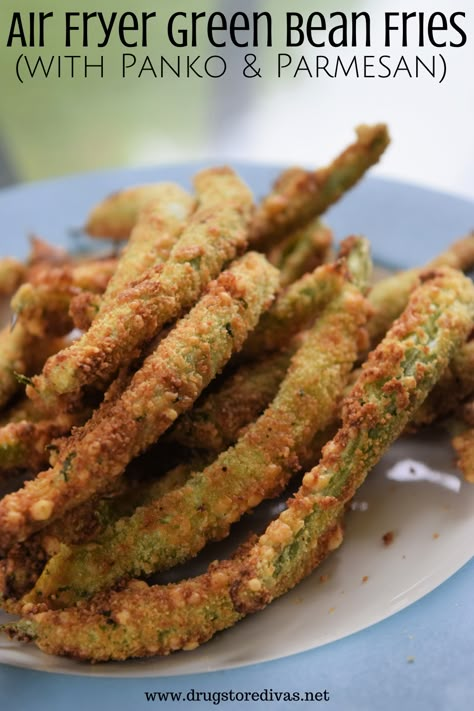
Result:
<point x="51" y="127"/>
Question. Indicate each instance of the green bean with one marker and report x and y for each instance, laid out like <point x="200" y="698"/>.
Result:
<point x="302" y="251"/>
<point x="43" y="310"/>
<point x="299" y="305"/>
<point x="12" y="273"/>
<point x="23" y="565"/>
<point x="15" y="347"/>
<point x="23" y="444"/>
<point x="298" y="196"/>
<point x="393" y="383"/>
<point x="116" y="215"/>
<point x="157" y="229"/>
<point x="215" y="421"/>
<point x="218" y="416"/>
<point x="456" y="383"/>
<point x="22" y="355"/>
<point x="459" y="255"/>
<point x="143" y="620"/>
<point x="175" y="527"/>
<point x="167" y="384"/>
<point x="389" y="296"/>
<point x="43" y="305"/>
<point x="214" y="234"/>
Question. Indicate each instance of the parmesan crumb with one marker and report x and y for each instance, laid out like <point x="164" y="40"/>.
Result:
<point x="255" y="585"/>
<point x="41" y="510"/>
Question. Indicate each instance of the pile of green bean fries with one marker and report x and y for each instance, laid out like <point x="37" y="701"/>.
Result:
<point x="149" y="399"/>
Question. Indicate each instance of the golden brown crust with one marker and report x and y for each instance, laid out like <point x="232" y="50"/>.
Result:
<point x="299" y="195"/>
<point x="464" y="447"/>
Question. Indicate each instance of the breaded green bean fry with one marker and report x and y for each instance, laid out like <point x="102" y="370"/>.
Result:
<point x="158" y="227"/>
<point x="43" y="309"/>
<point x="175" y="527"/>
<point x="215" y="421"/>
<point x="116" y="215"/>
<point x="296" y="308"/>
<point x="167" y="384"/>
<point x="12" y="273"/>
<point x="459" y="255"/>
<point x="389" y="296"/>
<point x="216" y="231"/>
<point x="144" y="620"/>
<point x="456" y="383"/>
<point x="299" y="195"/>
<point x="44" y="305"/>
<point x="22" y="566"/>
<point x="22" y="355"/>
<point x="23" y="445"/>
<point x="15" y="347"/>
<point x="301" y="252"/>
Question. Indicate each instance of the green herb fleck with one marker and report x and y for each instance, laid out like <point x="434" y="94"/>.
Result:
<point x="23" y="379"/>
<point x="195" y="262"/>
<point x="66" y="468"/>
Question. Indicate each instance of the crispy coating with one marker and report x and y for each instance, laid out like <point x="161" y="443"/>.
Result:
<point x="298" y="195"/>
<point x="215" y="421"/>
<point x="43" y="254"/>
<point x="43" y="305"/>
<point x="159" y="223"/>
<point x="23" y="444"/>
<point x="298" y="306"/>
<point x="18" y="573"/>
<point x="12" y="273"/>
<point x="392" y="385"/>
<point x="43" y="310"/>
<point x="116" y="215"/>
<point x="24" y="563"/>
<point x="456" y="383"/>
<point x="175" y="527"/>
<point x="302" y="251"/>
<point x="143" y="620"/>
<point x="389" y="296"/>
<point x="459" y="255"/>
<point x="216" y="231"/>
<point x="83" y="308"/>
<point x="16" y="345"/>
<point x="388" y="299"/>
<point x="21" y="356"/>
<point x="166" y="385"/>
<point x="463" y="445"/>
